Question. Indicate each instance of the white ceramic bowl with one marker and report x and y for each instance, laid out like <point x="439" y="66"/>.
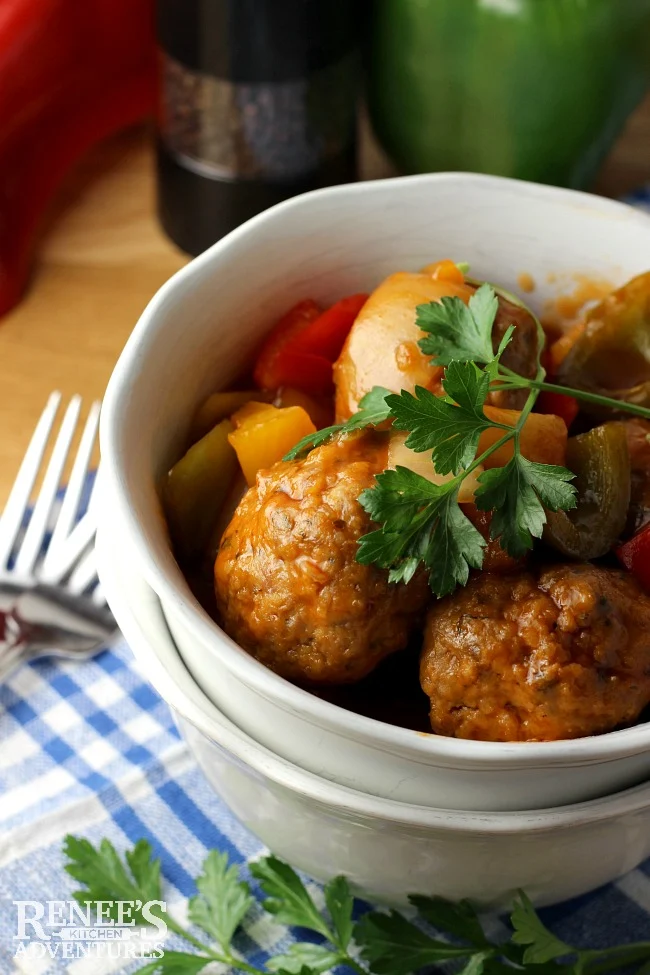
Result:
<point x="388" y="849"/>
<point x="195" y="336"/>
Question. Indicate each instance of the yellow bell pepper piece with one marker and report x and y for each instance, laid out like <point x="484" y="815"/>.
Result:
<point x="266" y="436"/>
<point x="245" y="412"/>
<point x="543" y="438"/>
<point x="217" y="407"/>
<point x="196" y="488"/>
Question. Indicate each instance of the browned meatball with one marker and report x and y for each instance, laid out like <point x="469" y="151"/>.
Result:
<point x="525" y="658"/>
<point x="288" y="587"/>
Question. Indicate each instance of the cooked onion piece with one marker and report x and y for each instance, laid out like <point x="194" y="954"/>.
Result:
<point x="399" y="455"/>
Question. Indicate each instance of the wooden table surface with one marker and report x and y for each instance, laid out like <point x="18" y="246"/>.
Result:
<point x="103" y="256"/>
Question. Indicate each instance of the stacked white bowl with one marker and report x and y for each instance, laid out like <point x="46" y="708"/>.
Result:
<point x="329" y="790"/>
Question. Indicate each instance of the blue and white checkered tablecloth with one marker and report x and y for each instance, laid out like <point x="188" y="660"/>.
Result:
<point x="89" y="748"/>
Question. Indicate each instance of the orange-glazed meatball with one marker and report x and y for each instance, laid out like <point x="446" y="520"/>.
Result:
<point x="525" y="658"/>
<point x="288" y="587"/>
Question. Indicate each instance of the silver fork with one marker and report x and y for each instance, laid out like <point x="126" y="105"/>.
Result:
<point x="50" y="603"/>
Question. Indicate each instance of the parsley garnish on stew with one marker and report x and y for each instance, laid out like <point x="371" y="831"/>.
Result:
<point x="422" y="523"/>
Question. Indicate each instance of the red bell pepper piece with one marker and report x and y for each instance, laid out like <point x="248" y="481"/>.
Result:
<point x="266" y="372"/>
<point x="566" y="407"/>
<point x="309" y="373"/>
<point x="326" y="336"/>
<point x="635" y="556"/>
<point x="70" y="74"/>
<point x="304" y="344"/>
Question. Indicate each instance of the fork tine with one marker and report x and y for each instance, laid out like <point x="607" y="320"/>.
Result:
<point x="70" y="551"/>
<point x="55" y="565"/>
<point x="14" y="512"/>
<point x="84" y="574"/>
<point x="33" y="540"/>
<point x="98" y="596"/>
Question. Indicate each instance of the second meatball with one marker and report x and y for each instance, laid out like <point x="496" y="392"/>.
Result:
<point x="520" y="658"/>
<point x="288" y="586"/>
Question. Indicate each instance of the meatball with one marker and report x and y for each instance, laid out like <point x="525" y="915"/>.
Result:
<point x="538" y="658"/>
<point x="288" y="587"/>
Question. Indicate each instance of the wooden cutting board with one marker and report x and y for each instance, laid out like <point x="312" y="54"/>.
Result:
<point x="103" y="256"/>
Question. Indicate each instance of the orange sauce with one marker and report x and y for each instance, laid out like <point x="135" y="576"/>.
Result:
<point x="561" y="314"/>
<point x="526" y="282"/>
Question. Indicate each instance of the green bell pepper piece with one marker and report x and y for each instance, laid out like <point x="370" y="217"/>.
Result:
<point x="612" y="356"/>
<point x="196" y="488"/>
<point x="601" y="463"/>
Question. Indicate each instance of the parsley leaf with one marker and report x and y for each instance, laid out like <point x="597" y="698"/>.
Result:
<point x="317" y="958"/>
<point x="420" y="521"/>
<point x="289" y="971"/>
<point x="340" y="904"/>
<point x="476" y="965"/>
<point x="458" y="919"/>
<point x="176" y="963"/>
<point x="313" y="440"/>
<point x="529" y="930"/>
<point x="223" y="899"/>
<point x="451" y="426"/>
<point x="373" y="411"/>
<point x="516" y="494"/>
<point x="106" y="877"/>
<point x="288" y="898"/>
<point x="391" y="945"/>
<point x="459" y="332"/>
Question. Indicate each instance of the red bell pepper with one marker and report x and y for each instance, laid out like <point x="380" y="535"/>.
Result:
<point x="310" y="373"/>
<point x="635" y="556"/>
<point x="266" y="370"/>
<point x="326" y="336"/>
<point x="566" y="407"/>
<point x="71" y="74"/>
<point x="302" y="347"/>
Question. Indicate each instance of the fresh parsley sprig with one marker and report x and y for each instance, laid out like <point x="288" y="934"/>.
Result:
<point x="379" y="943"/>
<point x="422" y="523"/>
<point x="459" y="338"/>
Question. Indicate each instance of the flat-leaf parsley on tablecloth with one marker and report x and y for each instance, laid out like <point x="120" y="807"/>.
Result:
<point x="386" y="942"/>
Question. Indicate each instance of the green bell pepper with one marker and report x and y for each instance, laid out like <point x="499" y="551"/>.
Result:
<point x="536" y="89"/>
<point x="196" y="488"/>
<point x="601" y="463"/>
<point x="612" y="355"/>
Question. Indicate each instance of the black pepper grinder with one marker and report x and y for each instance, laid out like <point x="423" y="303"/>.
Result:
<point x="257" y="104"/>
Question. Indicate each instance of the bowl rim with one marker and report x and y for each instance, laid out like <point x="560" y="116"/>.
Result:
<point x="176" y="598"/>
<point x="139" y="613"/>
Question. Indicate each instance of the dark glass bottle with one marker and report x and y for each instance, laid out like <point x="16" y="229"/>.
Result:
<point x="257" y="104"/>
